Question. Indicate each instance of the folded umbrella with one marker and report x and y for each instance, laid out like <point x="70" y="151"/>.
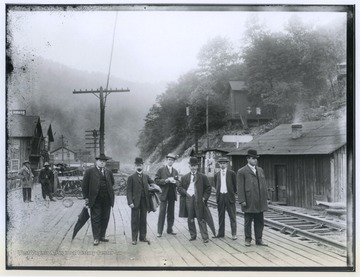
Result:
<point x="83" y="218"/>
<point x="209" y="219"/>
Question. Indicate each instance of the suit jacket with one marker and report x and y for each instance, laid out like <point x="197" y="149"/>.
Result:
<point x="91" y="184"/>
<point x="202" y="190"/>
<point x="133" y="191"/>
<point x="161" y="175"/>
<point x="26" y="177"/>
<point x="252" y="189"/>
<point x="230" y="185"/>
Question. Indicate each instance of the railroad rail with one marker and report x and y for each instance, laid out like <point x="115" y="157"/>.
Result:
<point x="310" y="227"/>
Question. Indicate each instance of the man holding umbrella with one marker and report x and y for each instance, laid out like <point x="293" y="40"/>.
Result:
<point x="98" y="193"/>
<point x="194" y="190"/>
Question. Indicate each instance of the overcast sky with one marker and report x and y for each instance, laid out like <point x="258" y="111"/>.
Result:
<point x="150" y="46"/>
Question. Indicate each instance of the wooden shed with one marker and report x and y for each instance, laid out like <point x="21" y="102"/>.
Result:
<point x="302" y="162"/>
<point x="242" y="110"/>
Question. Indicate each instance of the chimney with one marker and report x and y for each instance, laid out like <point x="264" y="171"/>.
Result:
<point x="296" y="130"/>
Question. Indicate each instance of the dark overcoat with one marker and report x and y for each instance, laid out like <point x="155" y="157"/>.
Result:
<point x="252" y="189"/>
<point x="202" y="190"/>
<point x="133" y="190"/>
<point x="161" y="175"/>
<point x="230" y="185"/>
<point x="91" y="185"/>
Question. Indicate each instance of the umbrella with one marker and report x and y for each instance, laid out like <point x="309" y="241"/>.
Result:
<point x="83" y="217"/>
<point x="208" y="219"/>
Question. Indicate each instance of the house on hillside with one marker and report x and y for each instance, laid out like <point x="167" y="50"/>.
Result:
<point x="63" y="155"/>
<point x="302" y="162"/>
<point x="241" y="110"/>
<point x="25" y="141"/>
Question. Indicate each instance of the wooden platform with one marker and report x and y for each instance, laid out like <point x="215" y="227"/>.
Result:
<point x="39" y="235"/>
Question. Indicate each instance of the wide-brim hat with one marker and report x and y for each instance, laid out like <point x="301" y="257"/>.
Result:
<point x="102" y="157"/>
<point x="26" y="162"/>
<point x="223" y="160"/>
<point x="252" y="153"/>
<point x="171" y="156"/>
<point x="193" y="161"/>
<point x="139" y="160"/>
<point x="46" y="164"/>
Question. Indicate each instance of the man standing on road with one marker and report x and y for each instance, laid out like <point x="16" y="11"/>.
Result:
<point x="225" y="185"/>
<point x="98" y="193"/>
<point x="46" y="179"/>
<point x="194" y="190"/>
<point x="252" y="194"/>
<point x="138" y="200"/>
<point x="167" y="179"/>
<point x="26" y="180"/>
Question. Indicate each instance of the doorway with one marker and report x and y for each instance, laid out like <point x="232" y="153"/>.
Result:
<point x="280" y="184"/>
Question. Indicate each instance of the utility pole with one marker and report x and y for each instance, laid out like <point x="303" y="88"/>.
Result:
<point x="62" y="148"/>
<point x="92" y="135"/>
<point x="99" y="93"/>
<point x="207" y="121"/>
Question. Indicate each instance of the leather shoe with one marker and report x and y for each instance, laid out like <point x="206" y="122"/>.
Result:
<point x="191" y="239"/>
<point x="234" y="238"/>
<point x="144" y="240"/>
<point x="172" y="233"/>
<point x="134" y="242"/>
<point x="261" y="243"/>
<point x="52" y="199"/>
<point x="96" y="242"/>
<point x="247" y="243"/>
<point x="159" y="235"/>
<point x="206" y="240"/>
<point x="217" y="237"/>
<point x="104" y="240"/>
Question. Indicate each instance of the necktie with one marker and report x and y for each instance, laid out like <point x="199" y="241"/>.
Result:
<point x="103" y="171"/>
<point x="193" y="177"/>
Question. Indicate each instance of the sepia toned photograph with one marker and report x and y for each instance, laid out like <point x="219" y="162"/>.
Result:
<point x="180" y="137"/>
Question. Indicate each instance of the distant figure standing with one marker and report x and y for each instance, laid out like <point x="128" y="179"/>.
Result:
<point x="194" y="190"/>
<point x="98" y="193"/>
<point x="167" y="179"/>
<point x="46" y="179"/>
<point x="138" y="200"/>
<point x="252" y="194"/>
<point x="225" y="185"/>
<point x="26" y="181"/>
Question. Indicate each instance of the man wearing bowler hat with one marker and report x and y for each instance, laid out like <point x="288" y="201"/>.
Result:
<point x="167" y="179"/>
<point x="252" y="194"/>
<point x="137" y="193"/>
<point x="225" y="186"/>
<point x="194" y="190"/>
<point x="98" y="193"/>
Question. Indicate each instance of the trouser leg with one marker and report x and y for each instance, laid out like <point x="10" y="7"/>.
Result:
<point x="202" y="227"/>
<point x="43" y="190"/>
<point x="105" y="216"/>
<point x="24" y="194"/>
<point x="221" y="214"/>
<point x="231" y="210"/>
<point x="135" y="222"/>
<point x="190" y="206"/>
<point x="248" y="218"/>
<point x="258" y="226"/>
<point x="170" y="215"/>
<point x="100" y="213"/>
<point x="161" y="220"/>
<point x="143" y="215"/>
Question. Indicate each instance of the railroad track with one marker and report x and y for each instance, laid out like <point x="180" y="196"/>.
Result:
<point x="309" y="227"/>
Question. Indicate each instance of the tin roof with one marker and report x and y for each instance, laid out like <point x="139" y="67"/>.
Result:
<point x="237" y="85"/>
<point x="22" y="125"/>
<point x="318" y="137"/>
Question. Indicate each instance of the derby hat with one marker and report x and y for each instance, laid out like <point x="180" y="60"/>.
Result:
<point x="223" y="160"/>
<point x="193" y="161"/>
<point x="252" y="153"/>
<point x="171" y="156"/>
<point x="26" y="162"/>
<point x="139" y="160"/>
<point x="102" y="157"/>
<point x="46" y="164"/>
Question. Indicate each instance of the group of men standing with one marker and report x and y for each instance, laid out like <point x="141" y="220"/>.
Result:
<point x="194" y="189"/>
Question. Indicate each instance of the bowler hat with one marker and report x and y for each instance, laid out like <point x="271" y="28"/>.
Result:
<point x="102" y="157"/>
<point x="26" y="162"/>
<point x="171" y="156"/>
<point x="252" y="153"/>
<point x="193" y="161"/>
<point x="223" y="160"/>
<point x="139" y="160"/>
<point x="46" y="164"/>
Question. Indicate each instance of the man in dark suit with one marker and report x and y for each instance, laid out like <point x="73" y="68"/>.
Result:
<point x="98" y="192"/>
<point x="194" y="190"/>
<point x="252" y="194"/>
<point x="167" y="179"/>
<point x="46" y="179"/>
<point x="225" y="185"/>
<point x="138" y="200"/>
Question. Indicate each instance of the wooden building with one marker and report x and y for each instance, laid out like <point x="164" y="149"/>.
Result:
<point x="302" y="162"/>
<point x="63" y="155"/>
<point x="241" y="110"/>
<point x="48" y="139"/>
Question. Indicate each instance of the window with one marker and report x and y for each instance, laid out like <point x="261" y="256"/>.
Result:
<point x="258" y="110"/>
<point x="14" y="165"/>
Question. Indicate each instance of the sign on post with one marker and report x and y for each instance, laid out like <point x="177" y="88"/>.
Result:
<point x="237" y="138"/>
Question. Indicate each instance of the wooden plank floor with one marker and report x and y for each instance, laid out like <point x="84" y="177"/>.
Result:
<point x="39" y="234"/>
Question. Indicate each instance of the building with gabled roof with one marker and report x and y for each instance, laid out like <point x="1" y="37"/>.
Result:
<point x="302" y="162"/>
